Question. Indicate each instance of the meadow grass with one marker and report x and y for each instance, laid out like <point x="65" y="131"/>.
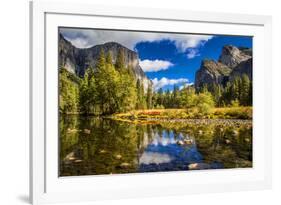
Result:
<point x="215" y="113"/>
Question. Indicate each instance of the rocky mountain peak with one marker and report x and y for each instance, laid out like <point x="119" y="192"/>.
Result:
<point x="211" y="72"/>
<point x="231" y="56"/>
<point x="232" y="62"/>
<point x="77" y="60"/>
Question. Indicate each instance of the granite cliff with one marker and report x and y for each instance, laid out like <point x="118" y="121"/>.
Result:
<point x="77" y="60"/>
<point x="232" y="62"/>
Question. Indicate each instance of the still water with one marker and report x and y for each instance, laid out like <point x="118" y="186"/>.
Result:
<point x="92" y="146"/>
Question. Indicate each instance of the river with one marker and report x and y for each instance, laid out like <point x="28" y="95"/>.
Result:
<point x="94" y="146"/>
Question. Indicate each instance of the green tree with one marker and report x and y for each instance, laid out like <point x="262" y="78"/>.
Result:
<point x="127" y="93"/>
<point x="149" y="96"/>
<point x="141" y="102"/>
<point x="205" y="103"/>
<point x="84" y="94"/>
<point x="120" y="60"/>
<point x="167" y="99"/>
<point x="107" y="79"/>
<point x="176" y="97"/>
<point x="160" y="97"/>
<point x="188" y="98"/>
<point x="246" y="93"/>
<point x="236" y="88"/>
<point x="68" y="93"/>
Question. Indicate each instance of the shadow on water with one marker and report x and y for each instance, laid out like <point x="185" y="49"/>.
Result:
<point x="90" y="146"/>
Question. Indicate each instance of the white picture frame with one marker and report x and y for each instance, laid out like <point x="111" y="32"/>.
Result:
<point x="47" y="187"/>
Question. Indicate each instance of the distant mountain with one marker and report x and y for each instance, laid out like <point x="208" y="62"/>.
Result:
<point x="77" y="60"/>
<point x="232" y="62"/>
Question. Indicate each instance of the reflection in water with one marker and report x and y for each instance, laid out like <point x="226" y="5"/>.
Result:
<point x="90" y="146"/>
<point x="154" y="158"/>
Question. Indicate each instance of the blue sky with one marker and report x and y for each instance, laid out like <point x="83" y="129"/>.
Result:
<point x="182" y="66"/>
<point x="167" y="59"/>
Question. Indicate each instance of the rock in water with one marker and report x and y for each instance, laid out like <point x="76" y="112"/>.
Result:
<point x="188" y="141"/>
<point x="124" y="165"/>
<point x="118" y="156"/>
<point x="87" y="131"/>
<point x="180" y="142"/>
<point x="198" y="166"/>
<point x="227" y="141"/>
<point x="102" y="151"/>
<point x="69" y="157"/>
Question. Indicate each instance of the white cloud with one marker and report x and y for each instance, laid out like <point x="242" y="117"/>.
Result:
<point x="154" y="65"/>
<point x="192" y="53"/>
<point x="185" y="85"/>
<point x="157" y="84"/>
<point x="84" y="38"/>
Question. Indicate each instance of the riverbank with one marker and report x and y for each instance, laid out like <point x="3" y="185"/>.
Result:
<point x="234" y="113"/>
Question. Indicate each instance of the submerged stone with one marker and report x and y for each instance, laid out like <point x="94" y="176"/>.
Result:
<point x="87" y="131"/>
<point x="198" y="166"/>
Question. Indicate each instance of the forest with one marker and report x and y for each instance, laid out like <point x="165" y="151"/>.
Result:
<point x="111" y="88"/>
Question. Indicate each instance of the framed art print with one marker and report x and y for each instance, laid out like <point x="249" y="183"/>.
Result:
<point x="127" y="103"/>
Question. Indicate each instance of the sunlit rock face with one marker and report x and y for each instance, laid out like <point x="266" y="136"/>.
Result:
<point x="77" y="60"/>
<point x="232" y="62"/>
<point x="211" y="72"/>
<point x="231" y="56"/>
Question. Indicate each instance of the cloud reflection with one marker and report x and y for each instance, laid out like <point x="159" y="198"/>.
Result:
<point x="155" y="158"/>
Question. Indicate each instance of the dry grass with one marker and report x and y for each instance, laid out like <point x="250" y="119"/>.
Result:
<point x="216" y="113"/>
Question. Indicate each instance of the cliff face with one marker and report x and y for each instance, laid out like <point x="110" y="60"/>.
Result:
<point x="232" y="62"/>
<point x="232" y="56"/>
<point x="77" y="60"/>
<point x="211" y="72"/>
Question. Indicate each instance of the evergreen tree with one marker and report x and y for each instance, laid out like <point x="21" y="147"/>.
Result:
<point x="108" y="59"/>
<point x="160" y="97"/>
<point x="245" y="90"/>
<point x="176" y="96"/>
<point x="141" y="102"/>
<point x="149" y="96"/>
<point x="120" y="60"/>
<point x="235" y="88"/>
<point x="68" y="93"/>
<point x="167" y="99"/>
<point x="88" y="93"/>
<point x="127" y="92"/>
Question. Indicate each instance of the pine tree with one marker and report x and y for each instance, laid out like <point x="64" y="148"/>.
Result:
<point x="120" y="60"/>
<point x="101" y="82"/>
<point x="175" y="98"/>
<point x="245" y="90"/>
<point x="108" y="59"/>
<point x="149" y="96"/>
<point x="235" y="88"/>
<point x="167" y="99"/>
<point x="160" y="97"/>
<point x="68" y="93"/>
<point x="88" y="93"/>
<point x="141" y="103"/>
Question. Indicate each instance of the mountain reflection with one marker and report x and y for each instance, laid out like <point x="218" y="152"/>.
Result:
<point x="90" y="146"/>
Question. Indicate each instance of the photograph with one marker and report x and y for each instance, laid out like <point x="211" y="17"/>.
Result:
<point x="145" y="101"/>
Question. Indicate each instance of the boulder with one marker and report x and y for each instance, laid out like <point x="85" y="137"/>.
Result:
<point x="198" y="166"/>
